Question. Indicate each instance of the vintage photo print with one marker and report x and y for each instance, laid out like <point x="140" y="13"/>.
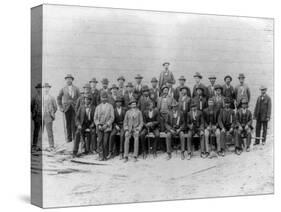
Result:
<point x="135" y="106"/>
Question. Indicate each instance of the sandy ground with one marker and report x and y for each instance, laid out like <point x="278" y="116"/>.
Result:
<point x="68" y="184"/>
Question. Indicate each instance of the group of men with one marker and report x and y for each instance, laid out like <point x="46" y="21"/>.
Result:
<point x="107" y="118"/>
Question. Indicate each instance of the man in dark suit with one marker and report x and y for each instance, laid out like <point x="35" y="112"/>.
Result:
<point x="85" y="125"/>
<point x="104" y="84"/>
<point x="67" y="100"/>
<point x="262" y="114"/>
<point x="195" y="125"/>
<point x="244" y="125"/>
<point x="211" y="87"/>
<point x="144" y="99"/>
<point x="151" y="124"/>
<point x="121" y="86"/>
<point x="117" y="127"/>
<point x="218" y="97"/>
<point x="198" y="77"/>
<point x="199" y="99"/>
<point x="177" y="93"/>
<point x="242" y="91"/>
<point x="175" y="126"/>
<point x="154" y="91"/>
<point x="138" y="87"/>
<point x="36" y="113"/>
<point x="227" y="123"/>
<point x="113" y="95"/>
<point x="129" y="94"/>
<point x="86" y="92"/>
<point x="95" y="92"/>
<point x="228" y="90"/>
<point x="184" y="101"/>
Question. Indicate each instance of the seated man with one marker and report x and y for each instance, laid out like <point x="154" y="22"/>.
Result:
<point x="244" y="124"/>
<point x="227" y="120"/>
<point x="133" y="123"/>
<point x="151" y="124"/>
<point x="195" y="124"/>
<point x="211" y="115"/>
<point x="85" y="125"/>
<point x="174" y="126"/>
<point x="119" y="114"/>
<point x="199" y="99"/>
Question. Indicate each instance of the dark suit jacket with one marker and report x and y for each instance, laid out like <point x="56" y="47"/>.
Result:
<point x="177" y="93"/>
<point x="95" y="97"/>
<point x="119" y="119"/>
<point x="137" y="92"/>
<point x="81" y="115"/>
<point x="205" y="92"/>
<point x="239" y="120"/>
<point x="155" y="118"/>
<point x="175" y="123"/>
<point x="154" y="95"/>
<point x="227" y="119"/>
<point x="143" y="103"/>
<point x="203" y="100"/>
<point x="211" y="117"/>
<point x="263" y="108"/>
<point x="65" y="100"/>
<point x="198" y="122"/>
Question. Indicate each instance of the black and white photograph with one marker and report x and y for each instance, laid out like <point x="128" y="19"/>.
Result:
<point x="132" y="106"/>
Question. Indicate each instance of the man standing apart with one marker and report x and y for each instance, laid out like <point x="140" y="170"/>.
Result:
<point x="103" y="118"/>
<point x="262" y="114"/>
<point x="67" y="100"/>
<point x="133" y="124"/>
<point x="36" y="113"/>
<point x="166" y="75"/>
<point x="49" y="110"/>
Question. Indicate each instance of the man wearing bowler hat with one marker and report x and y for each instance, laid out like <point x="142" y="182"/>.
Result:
<point x="49" y="110"/>
<point x="198" y="77"/>
<point x="103" y="118"/>
<point x="67" y="100"/>
<point x="211" y="87"/>
<point x="85" y="125"/>
<point x="177" y="93"/>
<point x="154" y="90"/>
<point x="95" y="92"/>
<point x="36" y="113"/>
<point x="121" y="85"/>
<point x="166" y="75"/>
<point x="242" y="91"/>
<point x="133" y="123"/>
<point x="228" y="90"/>
<point x="262" y="114"/>
<point x="164" y="106"/>
<point x="117" y="127"/>
<point x="80" y="100"/>
<point x="138" y="86"/>
<point x="175" y="126"/>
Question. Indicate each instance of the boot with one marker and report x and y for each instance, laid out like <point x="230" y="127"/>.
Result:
<point x="135" y="159"/>
<point x="182" y="155"/>
<point x="126" y="159"/>
<point x="169" y="156"/>
<point x="188" y="157"/>
<point x="121" y="156"/>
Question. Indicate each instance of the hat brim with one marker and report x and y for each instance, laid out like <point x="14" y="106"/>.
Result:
<point x="199" y="76"/>
<point x="165" y="63"/>
<point x="228" y="77"/>
<point x="69" y="77"/>
<point x="164" y="88"/>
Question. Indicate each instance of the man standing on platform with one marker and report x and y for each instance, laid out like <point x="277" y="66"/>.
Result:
<point x="67" y="100"/>
<point x="104" y="117"/>
<point x="166" y="75"/>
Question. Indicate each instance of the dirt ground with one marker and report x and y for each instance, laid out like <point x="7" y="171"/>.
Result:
<point x="66" y="183"/>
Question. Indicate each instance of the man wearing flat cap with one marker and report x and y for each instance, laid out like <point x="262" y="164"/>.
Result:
<point x="67" y="100"/>
<point x="262" y="115"/>
<point x="36" y="113"/>
<point x="86" y="92"/>
<point x="103" y="118"/>
<point x="85" y="125"/>
<point x="138" y="86"/>
<point x="117" y="127"/>
<point x="242" y="91"/>
<point x="144" y="100"/>
<point x="198" y="77"/>
<point x="95" y="92"/>
<point x="244" y="126"/>
<point x="228" y="90"/>
<point x="175" y="126"/>
<point x="154" y="90"/>
<point x="164" y="106"/>
<point x="166" y="75"/>
<point x="133" y="123"/>
<point x="177" y="93"/>
<point x="113" y="95"/>
<point x="199" y="99"/>
<point x="211" y="87"/>
<point x="49" y="110"/>
<point x="121" y="85"/>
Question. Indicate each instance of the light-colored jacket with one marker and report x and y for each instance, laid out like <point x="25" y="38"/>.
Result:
<point x="49" y="108"/>
<point x="133" y="120"/>
<point x="104" y="116"/>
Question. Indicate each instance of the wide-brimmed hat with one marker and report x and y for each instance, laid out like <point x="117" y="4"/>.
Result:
<point x="69" y="76"/>
<point x="132" y="100"/>
<point x="138" y="76"/>
<point x="218" y="86"/>
<point x="212" y="77"/>
<point x="121" y="78"/>
<point x="262" y="87"/>
<point x="114" y="86"/>
<point x="182" y="78"/>
<point x="163" y="87"/>
<point x="200" y="88"/>
<point x="184" y="87"/>
<point x="93" y="80"/>
<point x="39" y="85"/>
<point x="87" y="85"/>
<point x="241" y="75"/>
<point x="154" y="79"/>
<point x="145" y="88"/>
<point x="165" y="63"/>
<point x="228" y="76"/>
<point x="46" y="85"/>
<point x="197" y="74"/>
<point x="130" y="85"/>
